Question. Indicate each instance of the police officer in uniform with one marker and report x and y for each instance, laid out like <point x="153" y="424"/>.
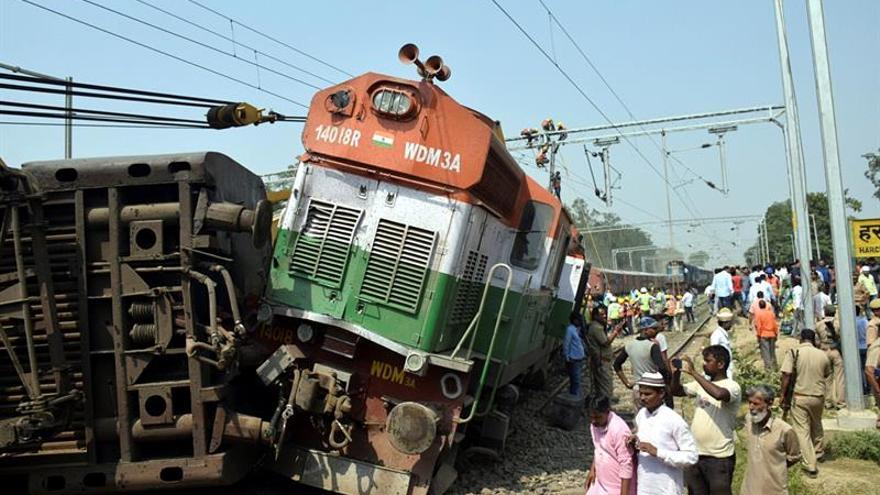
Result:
<point x="600" y="353"/>
<point x="828" y="332"/>
<point x="874" y="322"/>
<point x="812" y="370"/>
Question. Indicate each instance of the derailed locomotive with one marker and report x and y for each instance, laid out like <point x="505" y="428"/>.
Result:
<point x="417" y="274"/>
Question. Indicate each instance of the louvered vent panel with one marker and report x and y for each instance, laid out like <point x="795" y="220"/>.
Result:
<point x="398" y="264"/>
<point x="321" y="251"/>
<point x="467" y="298"/>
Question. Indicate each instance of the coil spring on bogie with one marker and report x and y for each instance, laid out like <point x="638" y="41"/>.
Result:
<point x="144" y="334"/>
<point x="141" y="311"/>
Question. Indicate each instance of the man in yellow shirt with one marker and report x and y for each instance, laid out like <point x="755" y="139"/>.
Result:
<point x="714" y="423"/>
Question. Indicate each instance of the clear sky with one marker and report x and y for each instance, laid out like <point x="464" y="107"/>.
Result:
<point x="663" y="58"/>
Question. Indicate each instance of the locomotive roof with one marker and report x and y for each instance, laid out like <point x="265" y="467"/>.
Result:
<point x="413" y="131"/>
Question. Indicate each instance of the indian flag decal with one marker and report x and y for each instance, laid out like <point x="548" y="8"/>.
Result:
<point x="383" y="140"/>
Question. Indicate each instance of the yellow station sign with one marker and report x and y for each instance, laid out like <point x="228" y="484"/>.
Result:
<point x="866" y="238"/>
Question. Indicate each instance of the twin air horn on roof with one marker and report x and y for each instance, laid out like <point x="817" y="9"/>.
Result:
<point x="431" y="69"/>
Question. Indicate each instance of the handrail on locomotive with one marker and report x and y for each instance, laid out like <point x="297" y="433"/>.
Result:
<point x="474" y="324"/>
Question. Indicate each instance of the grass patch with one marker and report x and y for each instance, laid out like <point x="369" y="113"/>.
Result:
<point x="863" y="445"/>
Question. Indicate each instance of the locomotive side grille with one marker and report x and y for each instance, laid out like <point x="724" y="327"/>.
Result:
<point x="398" y="263"/>
<point x="321" y="251"/>
<point x="468" y="295"/>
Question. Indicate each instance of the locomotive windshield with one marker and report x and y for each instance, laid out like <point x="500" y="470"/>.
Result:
<point x="533" y="228"/>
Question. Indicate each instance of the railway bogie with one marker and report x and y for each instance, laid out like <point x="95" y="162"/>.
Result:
<point x="122" y="321"/>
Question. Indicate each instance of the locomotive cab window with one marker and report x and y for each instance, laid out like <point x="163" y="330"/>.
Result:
<point x="533" y="228"/>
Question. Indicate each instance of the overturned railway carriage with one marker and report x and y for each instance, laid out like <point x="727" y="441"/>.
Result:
<point x="122" y="321"/>
<point x="417" y="272"/>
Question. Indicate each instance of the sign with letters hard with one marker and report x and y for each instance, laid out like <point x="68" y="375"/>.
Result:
<point x="866" y="238"/>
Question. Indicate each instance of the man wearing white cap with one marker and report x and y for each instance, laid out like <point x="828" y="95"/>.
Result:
<point x="867" y="280"/>
<point x="665" y="443"/>
<point x="720" y="335"/>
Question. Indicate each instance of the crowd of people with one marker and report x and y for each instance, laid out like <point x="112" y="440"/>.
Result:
<point x="662" y="454"/>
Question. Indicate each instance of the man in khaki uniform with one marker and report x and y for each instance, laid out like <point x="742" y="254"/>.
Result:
<point x="600" y="353"/>
<point x="872" y="364"/>
<point x="874" y="322"/>
<point x="828" y="332"/>
<point x="812" y="371"/>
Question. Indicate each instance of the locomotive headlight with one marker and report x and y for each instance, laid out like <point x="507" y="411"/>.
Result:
<point x="411" y="427"/>
<point x="305" y="333"/>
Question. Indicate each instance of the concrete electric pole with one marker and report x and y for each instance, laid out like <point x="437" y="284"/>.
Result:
<point x="837" y="213"/>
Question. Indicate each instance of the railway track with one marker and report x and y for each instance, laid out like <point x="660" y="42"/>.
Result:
<point x="689" y="339"/>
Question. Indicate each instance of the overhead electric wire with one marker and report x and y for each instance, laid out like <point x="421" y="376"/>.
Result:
<point x="86" y="94"/>
<point x="113" y="126"/>
<point x="610" y="88"/>
<point x="270" y="38"/>
<point x="98" y="112"/>
<point x="232" y="40"/>
<point x="161" y="52"/>
<point x="114" y="89"/>
<point x="589" y="100"/>
<point x="203" y="45"/>
<point x="97" y="119"/>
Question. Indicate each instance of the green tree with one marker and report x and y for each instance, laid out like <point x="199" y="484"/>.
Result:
<point x="779" y="228"/>
<point x="598" y="245"/>
<point x="873" y="172"/>
<point x="699" y="258"/>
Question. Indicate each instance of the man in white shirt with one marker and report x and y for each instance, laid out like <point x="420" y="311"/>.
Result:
<point x="664" y="441"/>
<point x="714" y="422"/>
<point x="797" y="302"/>
<point x="687" y="300"/>
<point x="820" y="300"/>
<point x="720" y="335"/>
<point x="755" y="273"/>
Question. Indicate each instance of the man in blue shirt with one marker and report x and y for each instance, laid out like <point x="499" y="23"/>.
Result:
<point x="862" y="338"/>
<point x="573" y="352"/>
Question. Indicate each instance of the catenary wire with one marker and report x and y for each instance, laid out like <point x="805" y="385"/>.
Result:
<point x="85" y="117"/>
<point x="270" y="38"/>
<point x="232" y="40"/>
<point x="36" y="106"/>
<point x="589" y="100"/>
<point x="617" y="96"/>
<point x="201" y="44"/>
<point x="112" y="126"/>
<point x="161" y="52"/>
<point x="113" y="89"/>
<point x="88" y="94"/>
